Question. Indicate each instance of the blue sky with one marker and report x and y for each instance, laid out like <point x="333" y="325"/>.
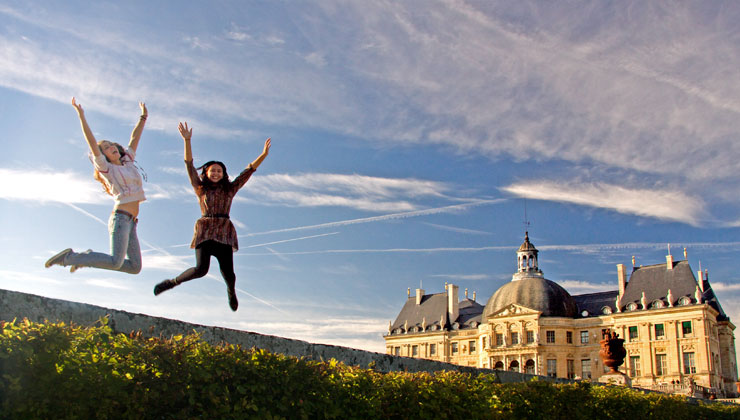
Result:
<point x="408" y="140"/>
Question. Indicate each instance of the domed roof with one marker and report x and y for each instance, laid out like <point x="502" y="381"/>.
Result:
<point x="535" y="293"/>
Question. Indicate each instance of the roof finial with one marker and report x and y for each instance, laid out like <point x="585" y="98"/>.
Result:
<point x="526" y="220"/>
<point x="685" y="254"/>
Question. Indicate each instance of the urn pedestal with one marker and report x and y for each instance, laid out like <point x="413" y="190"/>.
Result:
<point x="612" y="353"/>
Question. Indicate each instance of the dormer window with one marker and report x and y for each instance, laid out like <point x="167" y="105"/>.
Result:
<point x="606" y="310"/>
<point x="684" y="301"/>
<point x="657" y="304"/>
<point x="632" y="306"/>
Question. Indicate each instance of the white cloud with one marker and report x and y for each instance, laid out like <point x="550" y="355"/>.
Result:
<point x="109" y="284"/>
<point x="42" y="186"/>
<point x="575" y="287"/>
<point x="662" y="204"/>
<point x="362" y="333"/>
<point x="355" y="191"/>
<point x="726" y="287"/>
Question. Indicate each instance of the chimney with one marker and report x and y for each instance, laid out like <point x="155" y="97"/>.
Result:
<point x="408" y="292"/>
<point x="453" y="305"/>
<point x="669" y="262"/>
<point x="473" y="295"/>
<point x="700" y="278"/>
<point x="622" y="279"/>
<point x="419" y="295"/>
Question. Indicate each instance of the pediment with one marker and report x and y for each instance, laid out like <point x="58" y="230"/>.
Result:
<point x="514" y="310"/>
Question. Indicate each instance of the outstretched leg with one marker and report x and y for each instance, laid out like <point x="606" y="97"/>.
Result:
<point x="124" y="242"/>
<point x="202" y="263"/>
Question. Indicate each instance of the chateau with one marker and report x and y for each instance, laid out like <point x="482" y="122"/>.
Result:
<point x="675" y="330"/>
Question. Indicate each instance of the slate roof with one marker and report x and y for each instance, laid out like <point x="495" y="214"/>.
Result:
<point x="655" y="280"/>
<point x="433" y="307"/>
<point x="593" y="303"/>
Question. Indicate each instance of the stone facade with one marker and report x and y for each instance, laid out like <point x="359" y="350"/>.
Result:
<point x="676" y="334"/>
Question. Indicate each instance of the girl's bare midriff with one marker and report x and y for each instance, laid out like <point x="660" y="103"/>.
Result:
<point x="132" y="207"/>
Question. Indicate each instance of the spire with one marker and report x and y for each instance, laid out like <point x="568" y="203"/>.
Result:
<point x="527" y="260"/>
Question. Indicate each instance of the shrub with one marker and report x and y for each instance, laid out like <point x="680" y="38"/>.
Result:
<point x="53" y="370"/>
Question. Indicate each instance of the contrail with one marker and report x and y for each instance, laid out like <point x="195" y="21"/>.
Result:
<point x="575" y="248"/>
<point x="292" y="240"/>
<point x="391" y="216"/>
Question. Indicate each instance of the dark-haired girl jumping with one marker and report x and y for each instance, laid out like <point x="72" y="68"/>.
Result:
<point x="115" y="169"/>
<point x="214" y="233"/>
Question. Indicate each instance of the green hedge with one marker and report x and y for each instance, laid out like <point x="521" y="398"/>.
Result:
<point x="52" y="370"/>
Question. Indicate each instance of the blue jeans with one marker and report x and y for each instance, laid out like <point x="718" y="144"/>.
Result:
<point x="123" y="242"/>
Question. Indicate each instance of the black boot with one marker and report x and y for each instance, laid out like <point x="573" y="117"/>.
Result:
<point x="233" y="302"/>
<point x="165" y="285"/>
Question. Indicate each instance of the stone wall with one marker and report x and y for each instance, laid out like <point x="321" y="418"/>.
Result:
<point x="16" y="305"/>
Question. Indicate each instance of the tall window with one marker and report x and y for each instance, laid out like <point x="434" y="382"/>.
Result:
<point x="454" y="348"/>
<point x="396" y="351"/>
<point x="414" y="351"/>
<point x="571" y="365"/>
<point x="484" y="343"/>
<point x="499" y="339"/>
<point x="586" y="368"/>
<point x="659" y="331"/>
<point x="552" y="368"/>
<point x="633" y="333"/>
<point x="530" y="337"/>
<point x="689" y="366"/>
<point x="569" y="337"/>
<point x="550" y="336"/>
<point x="514" y="338"/>
<point x="634" y="366"/>
<point x="584" y="337"/>
<point x="432" y="349"/>
<point x="471" y="346"/>
<point x="686" y="328"/>
<point x="661" y="365"/>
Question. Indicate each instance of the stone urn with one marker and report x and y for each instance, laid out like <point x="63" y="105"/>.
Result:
<point x="612" y="351"/>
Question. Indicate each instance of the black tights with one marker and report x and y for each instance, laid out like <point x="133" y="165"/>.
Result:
<point x="223" y="253"/>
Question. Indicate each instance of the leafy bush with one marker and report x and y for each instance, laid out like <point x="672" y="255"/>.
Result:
<point x="52" y="370"/>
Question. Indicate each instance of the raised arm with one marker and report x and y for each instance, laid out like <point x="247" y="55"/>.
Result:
<point x="89" y="137"/>
<point x="136" y="134"/>
<point x="186" y="134"/>
<point x="257" y="162"/>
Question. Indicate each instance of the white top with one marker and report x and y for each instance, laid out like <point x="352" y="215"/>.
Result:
<point x="124" y="181"/>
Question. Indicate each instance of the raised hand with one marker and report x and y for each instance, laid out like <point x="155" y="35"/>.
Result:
<point x="184" y="131"/>
<point x="144" y="112"/>
<point x="266" y="149"/>
<point x="77" y="106"/>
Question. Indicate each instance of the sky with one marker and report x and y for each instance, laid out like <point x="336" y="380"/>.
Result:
<point x="413" y="144"/>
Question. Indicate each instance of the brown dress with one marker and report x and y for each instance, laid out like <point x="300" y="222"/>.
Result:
<point x="215" y="205"/>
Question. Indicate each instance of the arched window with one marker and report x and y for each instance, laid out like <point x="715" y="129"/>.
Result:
<point x="499" y="365"/>
<point x="606" y="310"/>
<point x="514" y="366"/>
<point x="657" y="304"/>
<point x="631" y="306"/>
<point x="529" y="367"/>
<point x="684" y="301"/>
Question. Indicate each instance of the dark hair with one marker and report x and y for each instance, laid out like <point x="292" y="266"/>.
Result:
<point x="207" y="183"/>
